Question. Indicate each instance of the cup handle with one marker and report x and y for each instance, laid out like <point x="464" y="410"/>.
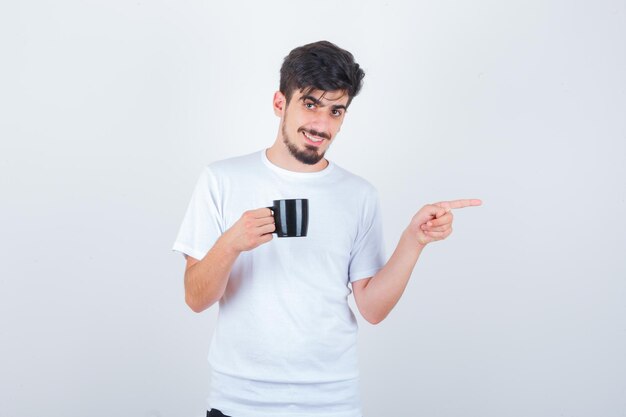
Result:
<point x="273" y="215"/>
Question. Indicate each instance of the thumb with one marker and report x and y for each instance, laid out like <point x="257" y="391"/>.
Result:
<point x="433" y="211"/>
<point x="444" y="205"/>
<point x="442" y="211"/>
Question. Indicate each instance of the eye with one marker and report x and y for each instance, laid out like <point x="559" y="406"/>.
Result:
<point x="309" y="105"/>
<point x="336" y="112"/>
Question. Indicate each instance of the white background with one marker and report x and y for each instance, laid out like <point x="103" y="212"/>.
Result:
<point x="110" y="109"/>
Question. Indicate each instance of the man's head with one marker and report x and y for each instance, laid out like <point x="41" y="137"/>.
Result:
<point x="320" y="66"/>
<point x="317" y="84"/>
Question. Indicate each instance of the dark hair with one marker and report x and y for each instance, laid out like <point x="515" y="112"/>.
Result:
<point x="320" y="66"/>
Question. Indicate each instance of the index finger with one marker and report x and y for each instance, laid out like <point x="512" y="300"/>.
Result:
<point x="457" y="204"/>
<point x="262" y="212"/>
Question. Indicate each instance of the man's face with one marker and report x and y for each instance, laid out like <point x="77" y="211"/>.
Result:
<point x="311" y="121"/>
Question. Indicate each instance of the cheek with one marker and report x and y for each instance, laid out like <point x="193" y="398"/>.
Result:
<point x="337" y="128"/>
<point x="298" y="122"/>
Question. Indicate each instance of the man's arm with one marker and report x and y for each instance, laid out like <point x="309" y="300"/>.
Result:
<point x="205" y="280"/>
<point x="376" y="296"/>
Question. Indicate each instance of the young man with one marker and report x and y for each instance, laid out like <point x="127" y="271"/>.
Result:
<point x="285" y="340"/>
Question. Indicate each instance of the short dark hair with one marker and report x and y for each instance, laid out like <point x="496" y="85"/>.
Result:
<point x="320" y="66"/>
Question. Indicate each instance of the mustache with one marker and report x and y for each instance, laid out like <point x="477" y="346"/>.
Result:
<point x="315" y="133"/>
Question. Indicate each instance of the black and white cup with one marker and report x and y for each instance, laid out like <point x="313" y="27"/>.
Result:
<point x="291" y="217"/>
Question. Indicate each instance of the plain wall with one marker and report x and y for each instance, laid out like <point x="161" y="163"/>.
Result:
<point x="110" y="109"/>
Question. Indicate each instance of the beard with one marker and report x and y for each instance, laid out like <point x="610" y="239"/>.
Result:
<point x="309" y="155"/>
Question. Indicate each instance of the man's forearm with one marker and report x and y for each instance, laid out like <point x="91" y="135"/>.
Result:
<point x="205" y="281"/>
<point x="386" y="287"/>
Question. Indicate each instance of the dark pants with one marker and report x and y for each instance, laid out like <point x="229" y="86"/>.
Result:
<point x="215" y="413"/>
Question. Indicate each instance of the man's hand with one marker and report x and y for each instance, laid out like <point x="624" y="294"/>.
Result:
<point x="253" y="229"/>
<point x="434" y="221"/>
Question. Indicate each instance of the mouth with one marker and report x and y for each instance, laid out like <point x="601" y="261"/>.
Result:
<point x="312" y="139"/>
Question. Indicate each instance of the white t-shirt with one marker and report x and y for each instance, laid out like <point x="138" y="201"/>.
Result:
<point x="285" y="338"/>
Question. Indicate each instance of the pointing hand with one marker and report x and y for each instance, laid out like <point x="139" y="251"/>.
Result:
<point x="434" y="221"/>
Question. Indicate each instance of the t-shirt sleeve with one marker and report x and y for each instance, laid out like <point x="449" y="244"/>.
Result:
<point x="368" y="254"/>
<point x="202" y="224"/>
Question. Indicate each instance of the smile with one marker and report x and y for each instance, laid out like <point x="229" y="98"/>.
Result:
<point x="315" y="140"/>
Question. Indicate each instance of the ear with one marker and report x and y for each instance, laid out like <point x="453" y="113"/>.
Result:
<point x="279" y="104"/>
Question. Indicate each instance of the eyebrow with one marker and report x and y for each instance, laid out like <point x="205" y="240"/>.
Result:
<point x="319" y="103"/>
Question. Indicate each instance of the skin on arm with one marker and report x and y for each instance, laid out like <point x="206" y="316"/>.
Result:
<point x="206" y="279"/>
<point x="376" y="296"/>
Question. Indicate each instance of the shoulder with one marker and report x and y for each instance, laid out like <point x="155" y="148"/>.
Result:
<point x="354" y="182"/>
<point x="218" y="174"/>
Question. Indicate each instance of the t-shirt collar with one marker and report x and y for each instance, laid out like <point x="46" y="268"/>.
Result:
<point x="295" y="174"/>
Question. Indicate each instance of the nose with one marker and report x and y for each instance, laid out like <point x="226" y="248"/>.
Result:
<point x="321" y="124"/>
